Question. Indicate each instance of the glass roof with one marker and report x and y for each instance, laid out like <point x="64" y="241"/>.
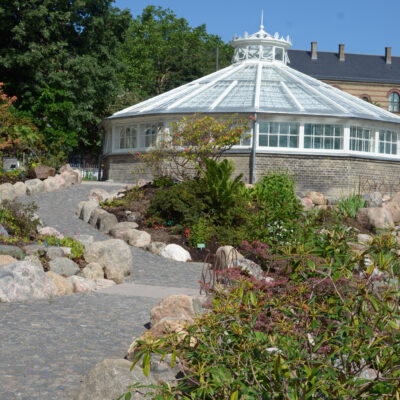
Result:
<point x="259" y="85"/>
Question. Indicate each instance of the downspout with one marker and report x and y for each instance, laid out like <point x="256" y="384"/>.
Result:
<point x="253" y="152"/>
<point x="101" y="156"/>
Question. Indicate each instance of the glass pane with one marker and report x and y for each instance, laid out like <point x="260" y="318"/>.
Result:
<point x="273" y="141"/>
<point x="307" y="142"/>
<point x="317" y="142"/>
<point x="279" y="53"/>
<point x="307" y="129"/>
<point x="294" y="129"/>
<point x="284" y="128"/>
<point x="267" y="52"/>
<point x="263" y="127"/>
<point x="328" y="130"/>
<point x="294" y="141"/>
<point x="283" y="141"/>
<point x="262" y="140"/>
<point x="338" y="145"/>
<point x="274" y="127"/>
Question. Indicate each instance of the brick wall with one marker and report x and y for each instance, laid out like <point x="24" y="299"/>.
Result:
<point x="333" y="176"/>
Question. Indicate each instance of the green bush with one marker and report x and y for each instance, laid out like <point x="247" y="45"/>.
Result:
<point x="349" y="206"/>
<point x="19" y="219"/>
<point x="77" y="248"/>
<point x="201" y="232"/>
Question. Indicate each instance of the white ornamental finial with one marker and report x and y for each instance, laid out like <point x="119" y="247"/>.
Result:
<point x="262" y="19"/>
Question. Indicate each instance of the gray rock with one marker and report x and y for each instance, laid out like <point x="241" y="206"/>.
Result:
<point x="114" y="273"/>
<point x="13" y="251"/>
<point x="84" y="239"/>
<point x="51" y="184"/>
<point x="251" y="268"/>
<point x="110" y="378"/>
<point x="99" y="194"/>
<point x="87" y="209"/>
<point x="376" y="217"/>
<point x="106" y="221"/>
<point x="54" y="252"/>
<point x="31" y="249"/>
<point x="228" y="256"/>
<point x="22" y="281"/>
<point x="109" y="253"/>
<point x="34" y="186"/>
<point x="156" y="247"/>
<point x="64" y="266"/>
<point x="364" y="238"/>
<point x="126" y="224"/>
<point x="92" y="271"/>
<point x="70" y="177"/>
<point x="7" y="192"/>
<point x="3" y="232"/>
<point x="373" y="199"/>
<point x="138" y="238"/>
<point x="20" y="189"/>
<point x="34" y="260"/>
<point x="94" y="216"/>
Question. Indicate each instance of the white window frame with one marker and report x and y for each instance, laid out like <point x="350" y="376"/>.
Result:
<point x="278" y="134"/>
<point x="323" y="137"/>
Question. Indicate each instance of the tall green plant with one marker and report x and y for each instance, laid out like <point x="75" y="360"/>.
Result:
<point x="349" y="206"/>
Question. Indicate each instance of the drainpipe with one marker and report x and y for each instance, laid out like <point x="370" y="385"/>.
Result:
<point x="253" y="152"/>
<point x="101" y="156"/>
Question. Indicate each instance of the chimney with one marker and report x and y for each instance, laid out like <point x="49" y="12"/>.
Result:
<point x="388" y="55"/>
<point x="341" y="52"/>
<point x="314" y="55"/>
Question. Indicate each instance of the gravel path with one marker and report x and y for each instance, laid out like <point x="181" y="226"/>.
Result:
<point x="46" y="347"/>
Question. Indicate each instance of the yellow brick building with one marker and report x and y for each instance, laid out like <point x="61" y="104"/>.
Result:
<point x="375" y="78"/>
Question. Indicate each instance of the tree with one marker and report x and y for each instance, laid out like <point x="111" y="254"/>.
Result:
<point x="183" y="151"/>
<point x="162" y="52"/>
<point x="60" y="59"/>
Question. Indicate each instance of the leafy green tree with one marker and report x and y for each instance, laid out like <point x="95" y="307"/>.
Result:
<point x="60" y="59"/>
<point x="162" y="52"/>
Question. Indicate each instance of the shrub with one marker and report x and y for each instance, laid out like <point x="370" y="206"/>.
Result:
<point x="201" y="232"/>
<point x="349" y="206"/>
<point x="19" y="219"/>
<point x="77" y="248"/>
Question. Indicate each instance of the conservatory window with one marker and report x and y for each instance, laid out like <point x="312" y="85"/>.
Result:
<point x="326" y="137"/>
<point x="150" y="133"/>
<point x="279" y="53"/>
<point x="267" y="52"/>
<point x="127" y="137"/>
<point x="388" y="141"/>
<point x="278" y="134"/>
<point x="361" y="139"/>
<point x="394" y="102"/>
<point x="253" y="52"/>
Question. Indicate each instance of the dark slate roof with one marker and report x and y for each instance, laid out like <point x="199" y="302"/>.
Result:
<point x="356" y="67"/>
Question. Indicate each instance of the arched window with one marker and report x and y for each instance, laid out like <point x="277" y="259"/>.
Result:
<point x="394" y="102"/>
<point x="365" y="97"/>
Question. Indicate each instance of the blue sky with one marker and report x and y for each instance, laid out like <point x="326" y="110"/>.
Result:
<point x="364" y="26"/>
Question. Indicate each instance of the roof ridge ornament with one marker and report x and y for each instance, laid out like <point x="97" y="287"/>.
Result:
<point x="262" y="20"/>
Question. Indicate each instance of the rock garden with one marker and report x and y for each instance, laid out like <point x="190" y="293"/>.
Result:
<point x="305" y="306"/>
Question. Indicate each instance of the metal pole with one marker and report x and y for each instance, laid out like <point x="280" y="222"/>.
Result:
<point x="217" y="59"/>
<point x="253" y="152"/>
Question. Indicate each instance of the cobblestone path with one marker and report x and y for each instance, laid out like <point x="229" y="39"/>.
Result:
<point x="46" y="347"/>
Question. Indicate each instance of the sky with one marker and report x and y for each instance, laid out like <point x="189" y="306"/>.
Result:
<point x="364" y="26"/>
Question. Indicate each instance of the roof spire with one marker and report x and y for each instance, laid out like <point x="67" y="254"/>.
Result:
<point x="262" y="19"/>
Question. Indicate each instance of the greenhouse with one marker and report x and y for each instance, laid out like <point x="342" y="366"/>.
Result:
<point x="328" y="139"/>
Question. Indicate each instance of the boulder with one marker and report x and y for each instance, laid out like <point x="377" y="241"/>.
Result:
<point x="49" y="231"/>
<point x="41" y="172"/>
<point x="125" y="224"/>
<point x="251" y="268"/>
<point x="78" y="174"/>
<point x="51" y="184"/>
<point x="317" y="198"/>
<point x="35" y="248"/>
<point x="34" y="186"/>
<point x="373" y="199"/>
<point x="94" y="216"/>
<point x="61" y="181"/>
<point x="109" y="379"/>
<point x="114" y="273"/>
<point x="176" y="306"/>
<point x="156" y="247"/>
<point x="307" y="203"/>
<point x="376" y="217"/>
<point x="64" y="286"/>
<point x="22" y="281"/>
<point x="386" y="197"/>
<point x="81" y="285"/>
<point x="92" y="271"/>
<point x="228" y="256"/>
<point x="393" y="206"/>
<point x="69" y="178"/>
<point x="102" y="284"/>
<point x="7" y="192"/>
<point x="138" y="238"/>
<point x="87" y="209"/>
<point x="3" y="232"/>
<point x="99" y="194"/>
<point x="142" y="182"/>
<point x="13" y="251"/>
<point x="106" y="221"/>
<point x="65" y="167"/>
<point x="34" y="260"/>
<point x="84" y="239"/>
<point x="54" y="252"/>
<point x="64" y="266"/>
<point x="175" y="252"/>
<point x="109" y="253"/>
<point x="20" y="189"/>
<point x="6" y="260"/>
